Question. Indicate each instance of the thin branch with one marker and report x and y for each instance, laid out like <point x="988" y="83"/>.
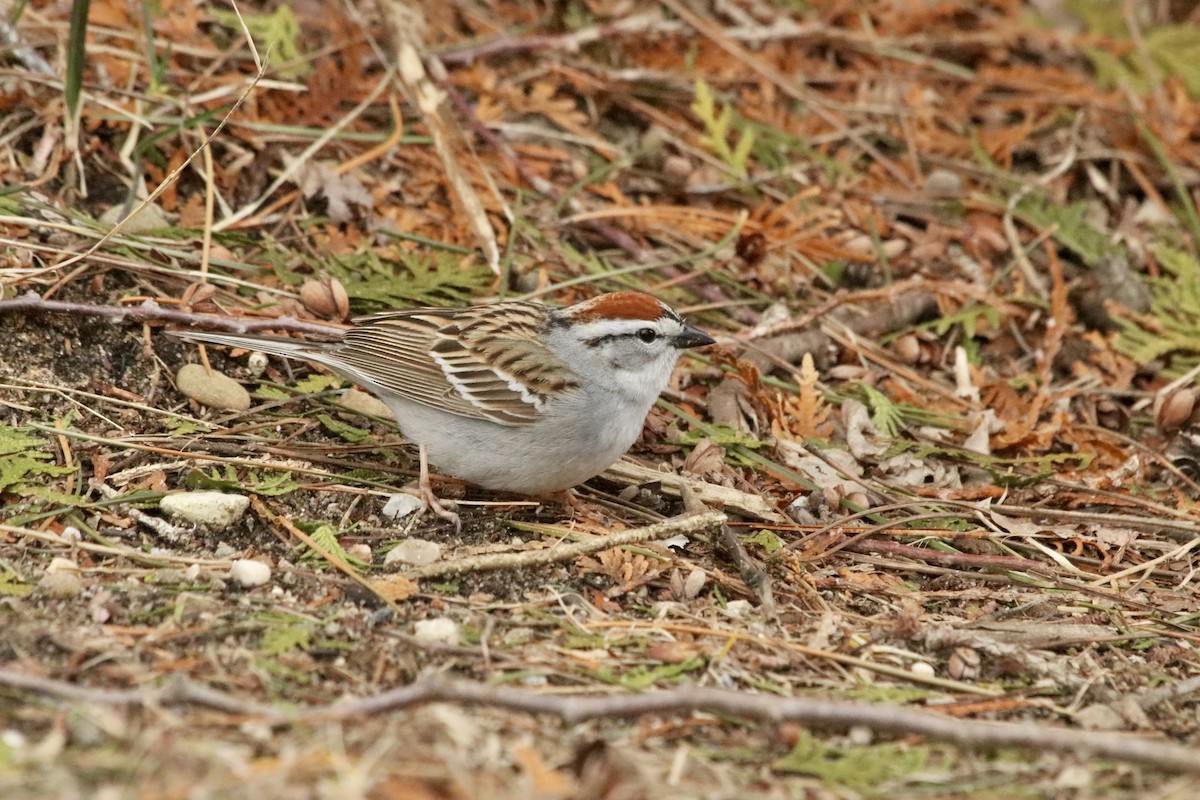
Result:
<point x="150" y="311"/>
<point x="180" y="690"/>
<point x="569" y="552"/>
<point x="896" y="720"/>
<point x="768" y="708"/>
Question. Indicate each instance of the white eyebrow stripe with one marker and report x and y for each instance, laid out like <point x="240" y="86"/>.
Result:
<point x="604" y="328"/>
<point x="601" y="328"/>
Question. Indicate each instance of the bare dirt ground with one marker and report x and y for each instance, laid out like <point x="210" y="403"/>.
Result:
<point x="922" y="525"/>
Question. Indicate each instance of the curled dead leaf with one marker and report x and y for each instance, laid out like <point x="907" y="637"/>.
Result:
<point x="394" y="588"/>
<point x="198" y="297"/>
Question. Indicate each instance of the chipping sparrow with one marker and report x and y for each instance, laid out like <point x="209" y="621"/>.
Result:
<point x="513" y="396"/>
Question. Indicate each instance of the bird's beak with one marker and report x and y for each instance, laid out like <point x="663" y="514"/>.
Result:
<point x="690" y="337"/>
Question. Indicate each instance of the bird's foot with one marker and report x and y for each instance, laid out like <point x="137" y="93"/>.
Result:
<point x="431" y="500"/>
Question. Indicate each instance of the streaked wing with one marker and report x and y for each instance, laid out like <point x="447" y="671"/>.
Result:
<point x="486" y="362"/>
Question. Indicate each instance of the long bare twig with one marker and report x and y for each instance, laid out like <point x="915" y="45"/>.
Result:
<point x="150" y="311"/>
<point x="888" y="719"/>
<point x="569" y="552"/>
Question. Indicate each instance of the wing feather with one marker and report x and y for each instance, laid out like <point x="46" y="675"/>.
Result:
<point x="485" y="362"/>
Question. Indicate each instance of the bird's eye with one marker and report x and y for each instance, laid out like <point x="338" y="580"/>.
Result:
<point x="647" y="335"/>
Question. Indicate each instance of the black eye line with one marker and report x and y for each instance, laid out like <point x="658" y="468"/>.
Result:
<point x="599" y="340"/>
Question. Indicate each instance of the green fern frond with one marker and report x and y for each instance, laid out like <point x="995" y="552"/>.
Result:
<point x="885" y="415"/>
<point x="718" y="125"/>
<point x="325" y="537"/>
<point x="1171" y="329"/>
<point x="24" y="464"/>
<point x="1071" y="226"/>
<point x="425" y="279"/>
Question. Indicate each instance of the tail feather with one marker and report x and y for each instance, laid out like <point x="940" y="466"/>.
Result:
<point x="271" y="345"/>
<point x="323" y="353"/>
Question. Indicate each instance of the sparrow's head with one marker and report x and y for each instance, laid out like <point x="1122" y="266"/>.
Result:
<point x="628" y="339"/>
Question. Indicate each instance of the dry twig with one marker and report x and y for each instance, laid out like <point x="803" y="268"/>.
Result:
<point x="569" y="552"/>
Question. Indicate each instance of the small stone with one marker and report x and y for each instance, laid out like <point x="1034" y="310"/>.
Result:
<point x="256" y="363"/>
<point x="212" y="389"/>
<point x="859" y="499"/>
<point x="361" y="551"/>
<point x="862" y="243"/>
<point x="149" y="218"/>
<point x="677" y="167"/>
<point x="214" y="511"/>
<point x="517" y="636"/>
<point x="942" y="184"/>
<point x="1075" y="778"/>
<point x="416" y="552"/>
<point x="364" y="403"/>
<point x="1099" y="717"/>
<point x="922" y="668"/>
<point x="694" y="583"/>
<point x="62" y="584"/>
<point x="738" y="608"/>
<point x="438" y="630"/>
<point x="58" y="564"/>
<point x="248" y="573"/>
<point x="908" y="349"/>
<point x="401" y="505"/>
<point x="860" y="735"/>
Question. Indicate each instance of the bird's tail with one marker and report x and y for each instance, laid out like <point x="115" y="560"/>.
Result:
<point x="271" y="345"/>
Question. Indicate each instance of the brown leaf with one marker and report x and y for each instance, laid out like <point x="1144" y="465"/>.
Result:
<point x="546" y="781"/>
<point x="707" y="461"/>
<point x="394" y="587"/>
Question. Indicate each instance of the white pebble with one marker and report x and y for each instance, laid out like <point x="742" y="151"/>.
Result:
<point x="943" y="184"/>
<point x="860" y="735"/>
<point x="58" y="564"/>
<point x="438" y="630"/>
<point x="738" y="608"/>
<point x="922" y="668"/>
<point x="256" y="363"/>
<point x="416" y="552"/>
<point x="1099" y="717"/>
<point x="211" y="510"/>
<point x="401" y="505"/>
<point x="248" y="573"/>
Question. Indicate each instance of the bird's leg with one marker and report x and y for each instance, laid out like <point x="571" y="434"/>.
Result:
<point x="569" y="500"/>
<point x="429" y="498"/>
